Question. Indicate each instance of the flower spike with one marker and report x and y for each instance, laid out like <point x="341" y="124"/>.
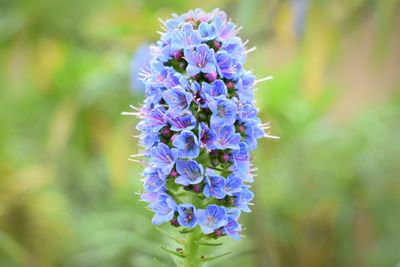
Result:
<point x="198" y="127"/>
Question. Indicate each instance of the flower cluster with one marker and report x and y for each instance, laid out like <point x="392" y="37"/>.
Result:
<point x="199" y="125"/>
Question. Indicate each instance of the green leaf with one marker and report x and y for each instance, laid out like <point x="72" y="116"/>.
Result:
<point x="215" y="257"/>
<point x="208" y="244"/>
<point x="186" y="231"/>
<point x="173" y="252"/>
<point x="176" y="239"/>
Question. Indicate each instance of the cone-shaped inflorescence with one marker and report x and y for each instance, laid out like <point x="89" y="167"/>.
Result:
<point x="198" y="126"/>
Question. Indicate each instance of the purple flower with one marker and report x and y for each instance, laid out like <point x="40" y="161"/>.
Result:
<point x="154" y="180"/>
<point x="183" y="122"/>
<point x="226" y="137"/>
<point x="241" y="159"/>
<point x="215" y="186"/>
<point x="216" y="89"/>
<point x="251" y="134"/>
<point x="243" y="198"/>
<point x="207" y="31"/>
<point x="233" y="228"/>
<point x="187" y="144"/>
<point x="164" y="210"/>
<point x="233" y="184"/>
<point x="211" y="218"/>
<point x="178" y="100"/>
<point x="227" y="66"/>
<point x="223" y="112"/>
<point x="163" y="157"/>
<point x="185" y="37"/>
<point x="245" y="87"/>
<point x="224" y="30"/>
<point x="149" y="138"/>
<point x="154" y="120"/>
<point x="190" y="172"/>
<point x="153" y="197"/>
<point x="172" y="79"/>
<point x="187" y="215"/>
<point x="207" y="136"/>
<point x="247" y="113"/>
<point x="234" y="46"/>
<point x="200" y="59"/>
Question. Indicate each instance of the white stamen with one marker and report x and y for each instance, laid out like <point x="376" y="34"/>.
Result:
<point x="263" y="79"/>
<point x="136" y="160"/>
<point x="251" y="50"/>
<point x="271" y="136"/>
<point x="238" y="29"/>
<point x="137" y="114"/>
<point x="133" y="107"/>
<point x="162" y="22"/>
<point x="136" y="155"/>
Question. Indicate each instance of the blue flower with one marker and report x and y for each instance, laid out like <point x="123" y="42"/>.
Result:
<point x="183" y="122"/>
<point x="233" y="228"/>
<point x="154" y="180"/>
<point x="153" y="197"/>
<point x="190" y="172"/>
<point x="216" y="89"/>
<point x="223" y="112"/>
<point x="199" y="59"/>
<point x="245" y="87"/>
<point x="164" y="210"/>
<point x="178" y="100"/>
<point x="247" y="113"/>
<point x="187" y="215"/>
<point x="227" y="66"/>
<point x="241" y="159"/>
<point x="251" y="134"/>
<point x="185" y="37"/>
<point x="207" y="31"/>
<point x="154" y="120"/>
<point x="187" y="144"/>
<point x="163" y="157"/>
<point x="207" y="136"/>
<point x="211" y="218"/>
<point x="234" y="46"/>
<point x="226" y="137"/>
<point x="149" y="138"/>
<point x="233" y="185"/>
<point x="224" y="30"/>
<point x="243" y="198"/>
<point x="215" y="186"/>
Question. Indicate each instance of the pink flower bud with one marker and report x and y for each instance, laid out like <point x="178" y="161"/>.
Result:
<point x="212" y="76"/>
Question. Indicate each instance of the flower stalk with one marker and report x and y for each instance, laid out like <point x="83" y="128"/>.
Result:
<point x="192" y="248"/>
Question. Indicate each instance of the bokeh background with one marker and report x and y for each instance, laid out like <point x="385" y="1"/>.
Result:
<point x="327" y="194"/>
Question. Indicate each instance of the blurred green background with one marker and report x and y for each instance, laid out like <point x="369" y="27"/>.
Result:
<point x="327" y="194"/>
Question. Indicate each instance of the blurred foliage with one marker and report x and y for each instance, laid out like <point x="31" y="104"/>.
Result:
<point x="327" y="193"/>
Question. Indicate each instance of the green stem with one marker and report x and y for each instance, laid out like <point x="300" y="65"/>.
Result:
<point x="192" y="246"/>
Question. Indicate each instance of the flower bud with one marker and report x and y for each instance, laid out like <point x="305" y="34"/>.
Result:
<point x="211" y="76"/>
<point x="178" y="54"/>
